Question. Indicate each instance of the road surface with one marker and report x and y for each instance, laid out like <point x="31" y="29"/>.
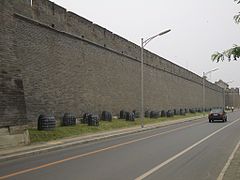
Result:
<point x="190" y="150"/>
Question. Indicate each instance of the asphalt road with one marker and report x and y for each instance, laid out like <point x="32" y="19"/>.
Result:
<point x="190" y="150"/>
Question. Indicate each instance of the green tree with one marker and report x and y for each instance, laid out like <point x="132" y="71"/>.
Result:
<point x="232" y="53"/>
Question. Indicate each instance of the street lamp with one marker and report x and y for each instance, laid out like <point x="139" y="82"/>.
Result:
<point x="203" y="84"/>
<point x="143" y="44"/>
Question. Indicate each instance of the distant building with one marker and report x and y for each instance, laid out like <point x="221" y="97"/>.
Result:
<point x="232" y="97"/>
<point x="222" y="84"/>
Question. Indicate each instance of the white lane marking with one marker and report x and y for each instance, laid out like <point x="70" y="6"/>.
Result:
<point x="92" y="152"/>
<point x="220" y="177"/>
<point x="151" y="171"/>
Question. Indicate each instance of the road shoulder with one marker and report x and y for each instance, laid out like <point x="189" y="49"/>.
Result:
<point x="231" y="171"/>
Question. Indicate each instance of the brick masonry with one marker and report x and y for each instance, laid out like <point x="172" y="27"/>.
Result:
<point x="54" y="61"/>
<point x="12" y="103"/>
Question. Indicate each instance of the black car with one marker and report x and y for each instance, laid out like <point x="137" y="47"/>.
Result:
<point x="217" y="114"/>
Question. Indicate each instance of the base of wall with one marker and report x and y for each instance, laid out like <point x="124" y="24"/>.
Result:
<point x="14" y="136"/>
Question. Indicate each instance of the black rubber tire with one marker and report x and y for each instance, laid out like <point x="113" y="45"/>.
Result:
<point x="163" y="113"/>
<point x="106" y="116"/>
<point x="122" y="114"/>
<point x="69" y="119"/>
<point x="46" y="122"/>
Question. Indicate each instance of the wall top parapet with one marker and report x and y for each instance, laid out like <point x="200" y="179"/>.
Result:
<point x="49" y="13"/>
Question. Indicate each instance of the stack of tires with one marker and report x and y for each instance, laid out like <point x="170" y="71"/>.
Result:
<point x="93" y="120"/>
<point x="182" y="112"/>
<point x="176" y="112"/>
<point x="136" y="114"/>
<point x="69" y="119"/>
<point x="147" y="114"/>
<point x="192" y="111"/>
<point x="170" y="113"/>
<point x="90" y="119"/>
<point x="130" y="116"/>
<point x="46" y="123"/>
<point x="85" y="118"/>
<point x="106" y="116"/>
<point x="155" y="114"/>
<point x="163" y="113"/>
<point x="122" y="114"/>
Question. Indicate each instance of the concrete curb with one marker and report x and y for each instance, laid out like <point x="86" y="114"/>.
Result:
<point x="61" y="144"/>
<point x="227" y="165"/>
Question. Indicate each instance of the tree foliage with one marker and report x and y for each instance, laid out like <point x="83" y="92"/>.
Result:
<point x="232" y="53"/>
<point x="237" y="16"/>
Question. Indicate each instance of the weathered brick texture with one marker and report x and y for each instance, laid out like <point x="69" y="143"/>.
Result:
<point x="12" y="103"/>
<point x="65" y="63"/>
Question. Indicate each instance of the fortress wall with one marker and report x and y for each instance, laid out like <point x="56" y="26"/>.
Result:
<point x="65" y="73"/>
<point x="68" y="64"/>
<point x="12" y="103"/>
<point x="78" y="26"/>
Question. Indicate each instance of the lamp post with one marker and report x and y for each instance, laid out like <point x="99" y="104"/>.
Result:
<point x="143" y="44"/>
<point x="203" y="84"/>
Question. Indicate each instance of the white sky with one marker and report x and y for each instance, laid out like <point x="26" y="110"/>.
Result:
<point x="198" y="29"/>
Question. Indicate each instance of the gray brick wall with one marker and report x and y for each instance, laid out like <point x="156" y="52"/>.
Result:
<point x="65" y="63"/>
<point x="12" y="103"/>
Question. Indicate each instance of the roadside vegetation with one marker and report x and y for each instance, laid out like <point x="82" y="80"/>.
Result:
<point x="232" y="53"/>
<point x="83" y="129"/>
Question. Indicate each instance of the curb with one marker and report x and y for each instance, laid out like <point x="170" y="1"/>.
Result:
<point x="57" y="145"/>
<point x="227" y="165"/>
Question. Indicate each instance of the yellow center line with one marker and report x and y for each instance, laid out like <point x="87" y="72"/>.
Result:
<point x="90" y="153"/>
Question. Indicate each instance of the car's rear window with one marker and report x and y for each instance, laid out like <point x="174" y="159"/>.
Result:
<point x="216" y="111"/>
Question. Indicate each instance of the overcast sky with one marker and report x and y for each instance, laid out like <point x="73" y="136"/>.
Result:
<point x="198" y="29"/>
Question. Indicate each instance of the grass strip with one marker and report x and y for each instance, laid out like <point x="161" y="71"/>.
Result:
<point x="83" y="129"/>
